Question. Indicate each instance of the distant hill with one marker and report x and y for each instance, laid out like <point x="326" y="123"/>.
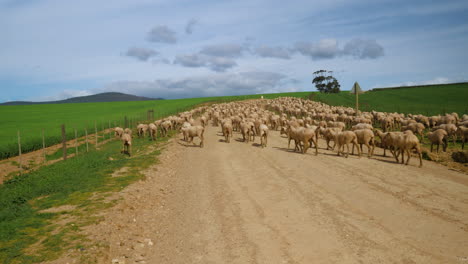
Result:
<point x="96" y="98"/>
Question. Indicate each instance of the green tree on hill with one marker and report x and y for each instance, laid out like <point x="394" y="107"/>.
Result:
<point x="325" y="82"/>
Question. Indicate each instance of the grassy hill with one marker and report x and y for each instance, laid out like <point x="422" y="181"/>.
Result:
<point x="95" y="98"/>
<point x="426" y="100"/>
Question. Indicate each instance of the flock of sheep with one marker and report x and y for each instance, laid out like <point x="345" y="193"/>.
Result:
<point x="306" y="122"/>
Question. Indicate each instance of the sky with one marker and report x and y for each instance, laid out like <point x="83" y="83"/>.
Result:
<point x="57" y="49"/>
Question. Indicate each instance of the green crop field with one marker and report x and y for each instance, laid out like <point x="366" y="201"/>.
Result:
<point x="426" y="100"/>
<point x="30" y="120"/>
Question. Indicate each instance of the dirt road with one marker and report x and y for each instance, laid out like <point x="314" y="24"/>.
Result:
<point x="239" y="203"/>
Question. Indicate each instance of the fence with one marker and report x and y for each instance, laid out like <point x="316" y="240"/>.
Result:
<point x="76" y="139"/>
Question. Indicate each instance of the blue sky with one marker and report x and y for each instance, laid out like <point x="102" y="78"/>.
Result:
<point x="53" y="49"/>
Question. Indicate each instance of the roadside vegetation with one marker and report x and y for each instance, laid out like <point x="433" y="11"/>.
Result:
<point x="42" y="212"/>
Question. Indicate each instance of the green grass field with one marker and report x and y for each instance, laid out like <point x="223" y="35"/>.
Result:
<point x="82" y="183"/>
<point x="30" y="120"/>
<point x="426" y="100"/>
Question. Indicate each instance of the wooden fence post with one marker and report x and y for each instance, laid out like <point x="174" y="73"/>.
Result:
<point x="64" y="142"/>
<point x="86" y="137"/>
<point x="43" y="145"/>
<point x="76" y="143"/>
<point x="109" y="131"/>
<point x="126" y="122"/>
<point x="95" y="133"/>
<point x="19" y="151"/>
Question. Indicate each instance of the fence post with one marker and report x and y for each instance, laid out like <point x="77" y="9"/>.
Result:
<point x="64" y="142"/>
<point x="109" y="131"/>
<point x="43" y="145"/>
<point x="126" y="122"/>
<point x="76" y="144"/>
<point x="86" y="137"/>
<point x="95" y="133"/>
<point x="19" y="151"/>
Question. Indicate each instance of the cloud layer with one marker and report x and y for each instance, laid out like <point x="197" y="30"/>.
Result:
<point x="142" y="54"/>
<point x="328" y="49"/>
<point x="190" y="25"/>
<point x="162" y="34"/>
<point x="209" y="85"/>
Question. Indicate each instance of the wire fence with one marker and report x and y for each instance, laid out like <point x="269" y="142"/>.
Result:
<point x="75" y="140"/>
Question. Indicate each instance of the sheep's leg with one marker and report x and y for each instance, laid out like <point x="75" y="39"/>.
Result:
<point x="316" y="147"/>
<point x="408" y="152"/>
<point x="359" y="150"/>
<point x="395" y="154"/>
<point x="352" y="152"/>
<point x="368" y="150"/>
<point x="347" y="150"/>
<point x="306" y="146"/>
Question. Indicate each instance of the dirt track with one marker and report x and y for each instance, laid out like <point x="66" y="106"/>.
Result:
<point x="239" y="203"/>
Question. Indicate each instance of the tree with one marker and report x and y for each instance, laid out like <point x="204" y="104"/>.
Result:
<point x="325" y="82"/>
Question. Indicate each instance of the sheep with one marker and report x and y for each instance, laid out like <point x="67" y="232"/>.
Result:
<point x="362" y="126"/>
<point x="203" y="121"/>
<point x="126" y="144"/>
<point x="142" y="128"/>
<point x="128" y="131"/>
<point x="263" y="133"/>
<point x="389" y="140"/>
<point x="407" y="142"/>
<point x="185" y="125"/>
<point x="438" y="137"/>
<point x="416" y="128"/>
<point x="366" y="137"/>
<point x="308" y="136"/>
<point x="451" y="130"/>
<point x="294" y="134"/>
<point x="463" y="132"/>
<point x="345" y="138"/>
<point x="247" y="128"/>
<point x="194" y="131"/>
<point x="118" y="131"/>
<point x="336" y="124"/>
<point x="165" y="126"/>
<point x="383" y="144"/>
<point x="227" y="131"/>
<point x="153" y="131"/>
<point x="433" y="120"/>
<point x="386" y="124"/>
<point x="327" y="135"/>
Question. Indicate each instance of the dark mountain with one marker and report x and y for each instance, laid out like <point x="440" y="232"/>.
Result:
<point x="96" y="98"/>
